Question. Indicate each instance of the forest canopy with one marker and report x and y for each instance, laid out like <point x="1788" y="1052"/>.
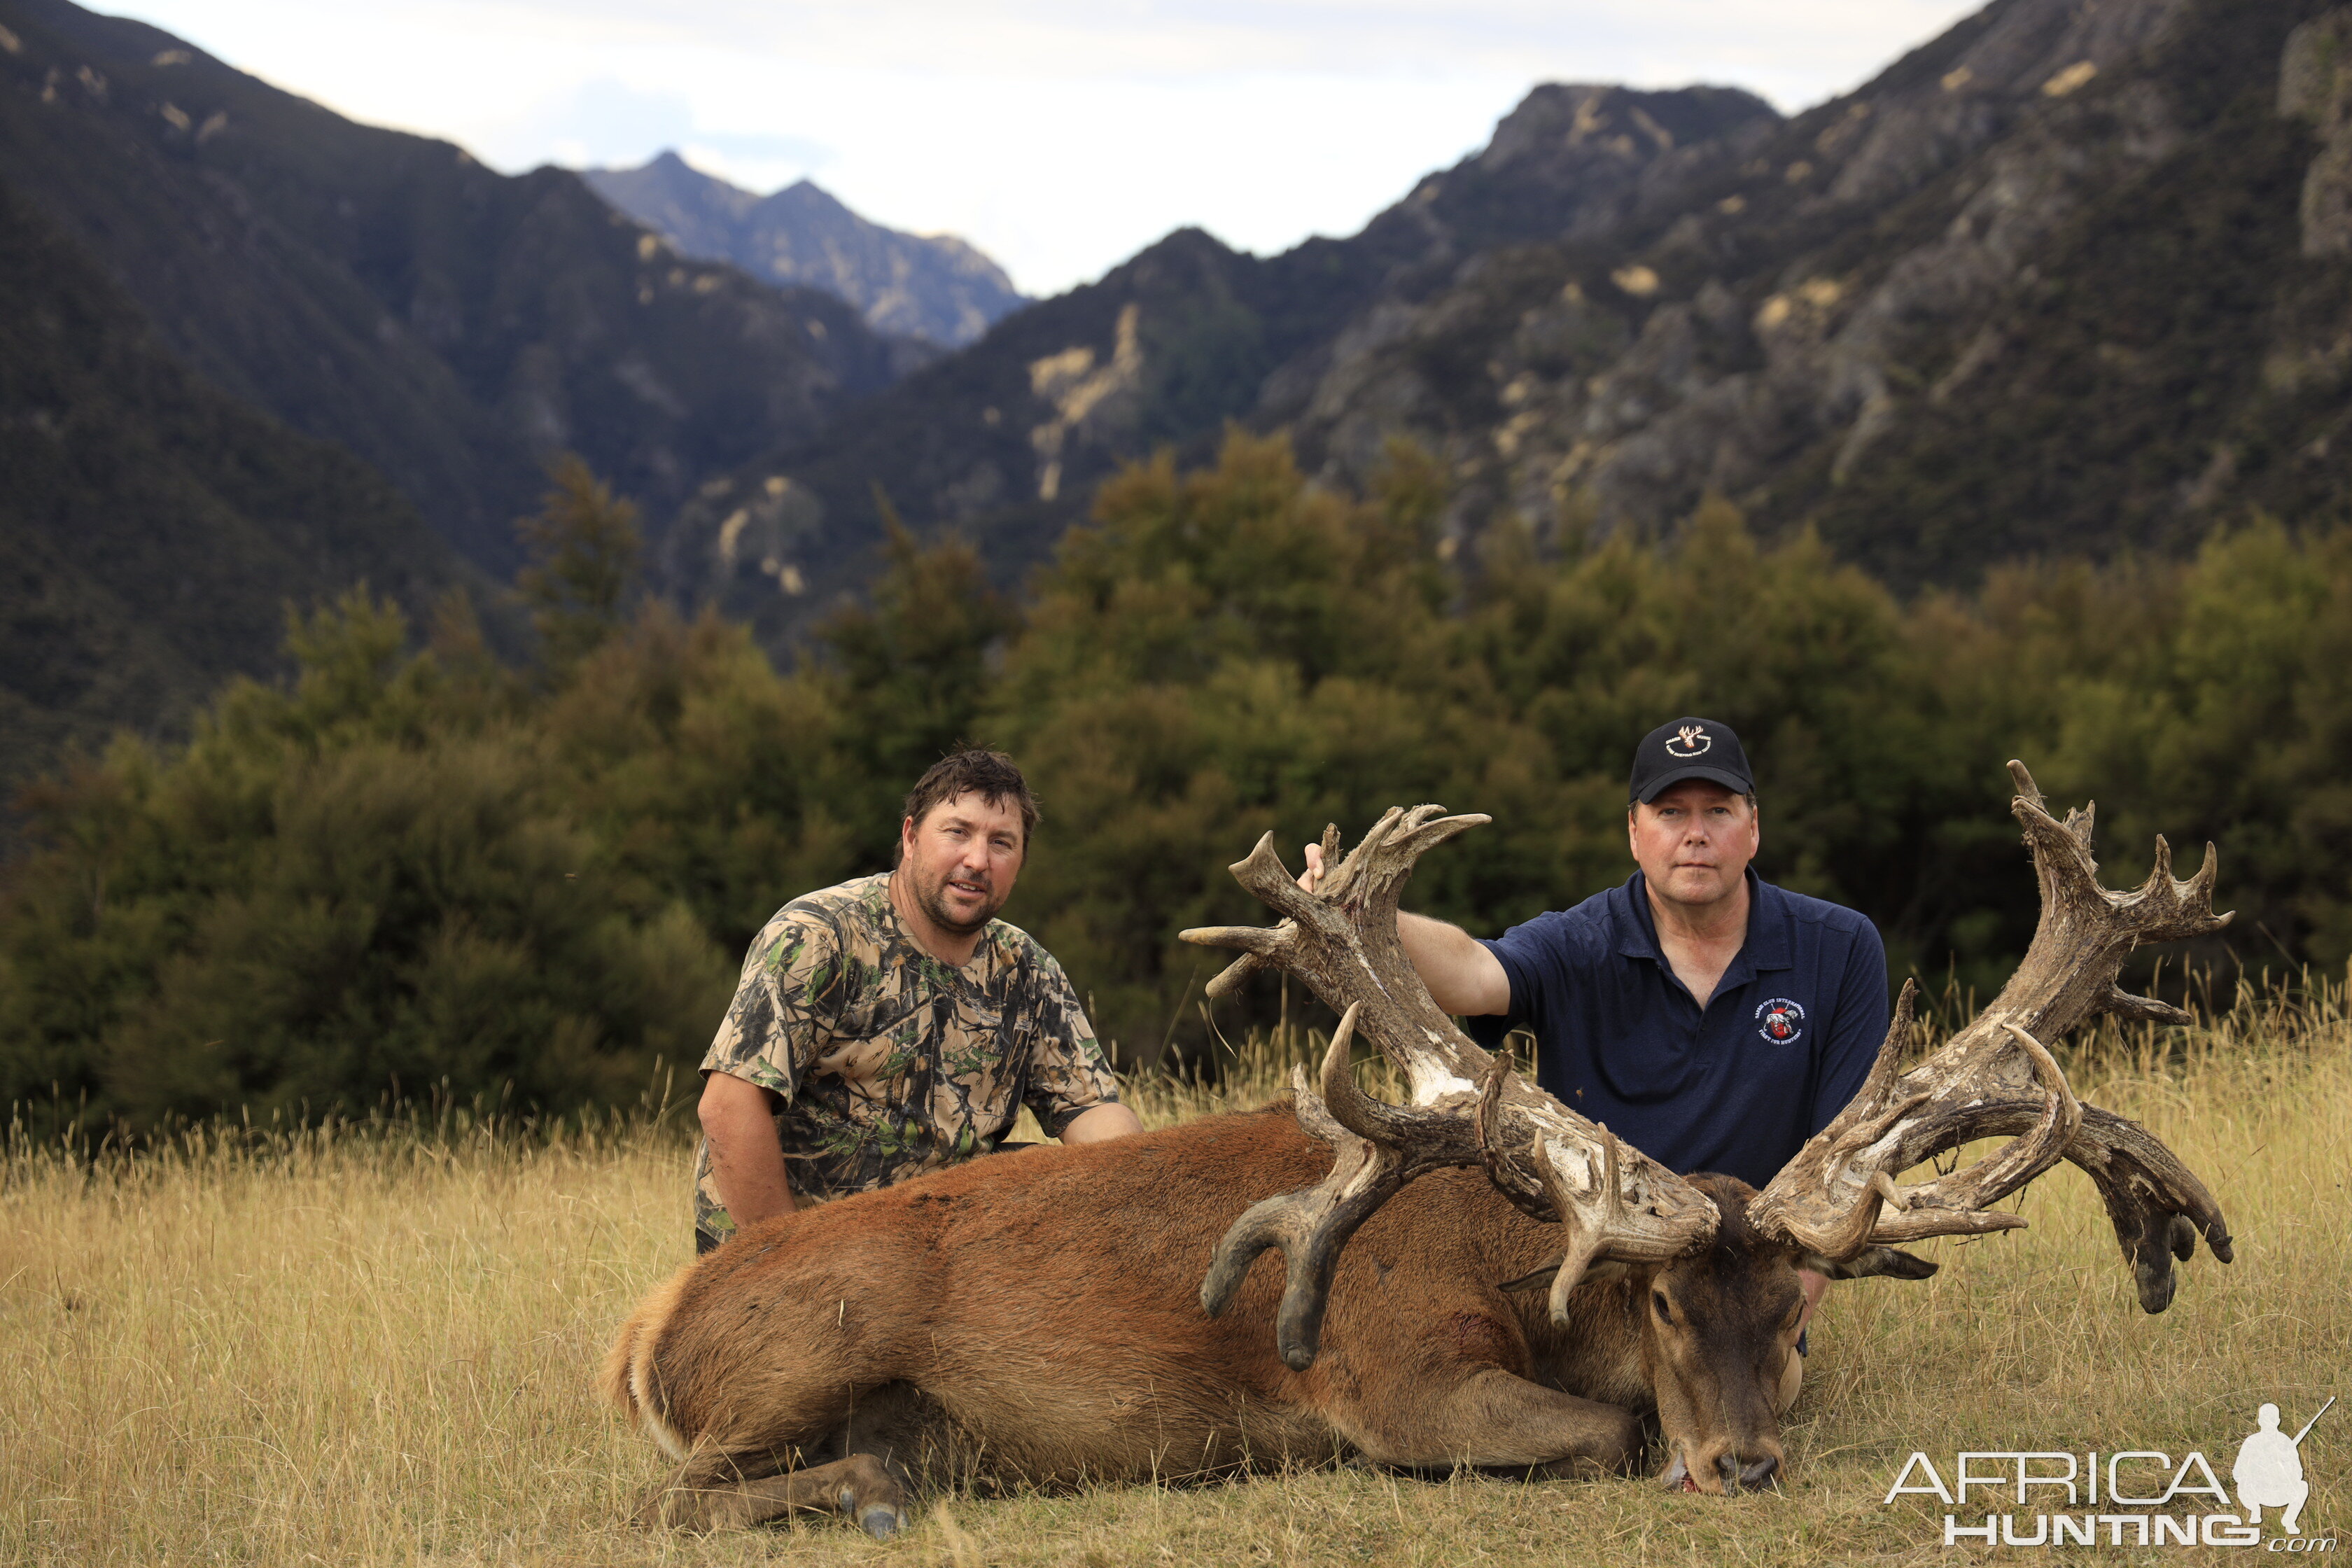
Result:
<point x="414" y="868"/>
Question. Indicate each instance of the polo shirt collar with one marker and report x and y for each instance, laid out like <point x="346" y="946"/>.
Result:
<point x="1768" y="945"/>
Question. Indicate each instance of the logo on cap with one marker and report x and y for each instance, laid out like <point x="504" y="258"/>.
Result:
<point x="1690" y="740"/>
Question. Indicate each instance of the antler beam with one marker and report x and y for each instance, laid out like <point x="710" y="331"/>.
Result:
<point x="1466" y="1108"/>
<point x="1996" y="1076"/>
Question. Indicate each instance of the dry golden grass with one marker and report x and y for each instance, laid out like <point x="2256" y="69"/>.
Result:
<point x="375" y="1345"/>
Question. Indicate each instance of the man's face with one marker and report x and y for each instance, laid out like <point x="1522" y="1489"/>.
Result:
<point x="1694" y="841"/>
<point x="960" y="860"/>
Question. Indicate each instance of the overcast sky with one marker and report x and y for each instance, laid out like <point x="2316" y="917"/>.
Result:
<point x="1060" y="136"/>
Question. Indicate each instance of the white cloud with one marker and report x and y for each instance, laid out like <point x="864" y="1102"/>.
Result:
<point x="1060" y="135"/>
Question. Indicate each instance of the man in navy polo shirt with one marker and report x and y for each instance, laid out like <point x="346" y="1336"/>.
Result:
<point x="1708" y="1018"/>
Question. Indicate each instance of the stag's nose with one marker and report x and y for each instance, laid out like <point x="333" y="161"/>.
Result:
<point x="1750" y="1476"/>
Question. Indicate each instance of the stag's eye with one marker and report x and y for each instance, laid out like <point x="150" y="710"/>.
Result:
<point x="1658" y="1301"/>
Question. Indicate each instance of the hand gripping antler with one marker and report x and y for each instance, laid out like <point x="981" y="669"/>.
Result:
<point x="1466" y="1108"/>
<point x="1996" y="1078"/>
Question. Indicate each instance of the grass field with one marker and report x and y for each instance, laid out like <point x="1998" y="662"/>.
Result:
<point x="374" y="1344"/>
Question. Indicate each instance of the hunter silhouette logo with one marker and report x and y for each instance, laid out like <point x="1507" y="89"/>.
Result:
<point x="2269" y="1471"/>
<point x="1780" y="1020"/>
<point x="1690" y="740"/>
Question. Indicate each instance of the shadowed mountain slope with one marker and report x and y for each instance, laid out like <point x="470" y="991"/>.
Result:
<point x="151" y="527"/>
<point x="448" y="324"/>
<point x="934" y="287"/>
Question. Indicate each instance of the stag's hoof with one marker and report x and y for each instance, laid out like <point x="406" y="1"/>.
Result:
<point x="880" y="1522"/>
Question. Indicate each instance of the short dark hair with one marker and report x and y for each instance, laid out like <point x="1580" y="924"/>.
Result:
<point x="991" y="775"/>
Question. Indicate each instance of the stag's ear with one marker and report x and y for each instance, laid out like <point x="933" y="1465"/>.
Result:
<point x="1870" y="1262"/>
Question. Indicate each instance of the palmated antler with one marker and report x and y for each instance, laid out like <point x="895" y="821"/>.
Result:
<point x="1466" y="1108"/>
<point x="1997" y="1078"/>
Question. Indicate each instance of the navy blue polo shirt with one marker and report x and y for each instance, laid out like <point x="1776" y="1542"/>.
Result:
<point x="1736" y="1086"/>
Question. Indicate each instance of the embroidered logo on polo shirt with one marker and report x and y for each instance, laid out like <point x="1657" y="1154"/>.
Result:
<point x="1690" y="740"/>
<point x="1780" y="1021"/>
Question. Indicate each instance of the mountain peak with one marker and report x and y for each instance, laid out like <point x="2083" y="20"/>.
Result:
<point x="936" y="287"/>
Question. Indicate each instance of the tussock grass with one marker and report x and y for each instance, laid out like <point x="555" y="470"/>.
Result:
<point x="372" y="1344"/>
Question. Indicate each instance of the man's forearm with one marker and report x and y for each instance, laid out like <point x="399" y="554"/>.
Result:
<point x="747" y="1163"/>
<point x="1463" y="977"/>
<point x="1100" y="1123"/>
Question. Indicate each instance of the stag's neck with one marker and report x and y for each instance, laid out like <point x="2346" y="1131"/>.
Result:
<point x="1598" y="1353"/>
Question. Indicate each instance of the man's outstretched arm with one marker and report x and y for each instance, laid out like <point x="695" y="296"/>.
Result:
<point x="1463" y="977"/>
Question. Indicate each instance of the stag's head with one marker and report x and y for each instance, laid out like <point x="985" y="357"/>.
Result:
<point x="1718" y="1331"/>
<point x="1710" y="1264"/>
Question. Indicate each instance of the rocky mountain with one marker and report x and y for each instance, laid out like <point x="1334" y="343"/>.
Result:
<point x="2069" y="277"/>
<point x="448" y="324"/>
<point x="1006" y="439"/>
<point x="932" y="287"/>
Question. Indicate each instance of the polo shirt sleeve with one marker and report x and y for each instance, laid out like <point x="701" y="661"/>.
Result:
<point x="1857" y="1027"/>
<point x="1534" y="958"/>
<point x="790" y="993"/>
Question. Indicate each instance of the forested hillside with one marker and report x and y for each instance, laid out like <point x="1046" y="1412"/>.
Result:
<point x="257" y="353"/>
<point x="428" y="871"/>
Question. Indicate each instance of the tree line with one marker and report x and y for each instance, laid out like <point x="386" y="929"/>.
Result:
<point x="417" y="869"/>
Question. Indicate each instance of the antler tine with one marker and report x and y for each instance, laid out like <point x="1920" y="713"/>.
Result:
<point x="1588" y="1221"/>
<point x="1997" y="1077"/>
<point x="1958" y="1204"/>
<point x="1385" y="1147"/>
<point x="1466" y="1107"/>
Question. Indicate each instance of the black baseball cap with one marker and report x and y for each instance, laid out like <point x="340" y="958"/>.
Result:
<point x="1689" y="748"/>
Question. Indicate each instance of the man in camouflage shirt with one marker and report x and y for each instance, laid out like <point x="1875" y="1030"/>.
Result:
<point x="892" y="1025"/>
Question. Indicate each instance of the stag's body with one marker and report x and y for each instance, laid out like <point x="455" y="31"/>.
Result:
<point x="1042" y="1309"/>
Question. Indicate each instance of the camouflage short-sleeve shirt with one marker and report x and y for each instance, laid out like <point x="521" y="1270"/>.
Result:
<point x="891" y="1063"/>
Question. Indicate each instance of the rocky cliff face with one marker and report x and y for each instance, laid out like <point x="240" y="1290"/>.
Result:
<point x="2315" y="86"/>
<point x="933" y="286"/>
<point x="2039" y="286"/>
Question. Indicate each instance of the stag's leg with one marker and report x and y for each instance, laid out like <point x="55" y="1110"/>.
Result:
<point x="1497" y="1420"/>
<point x="712" y="1491"/>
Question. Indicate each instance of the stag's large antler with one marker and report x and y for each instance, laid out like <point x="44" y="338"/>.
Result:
<point x="1468" y="1107"/>
<point x="1996" y="1078"/>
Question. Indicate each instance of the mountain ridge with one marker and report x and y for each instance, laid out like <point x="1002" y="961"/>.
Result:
<point x="938" y="288"/>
